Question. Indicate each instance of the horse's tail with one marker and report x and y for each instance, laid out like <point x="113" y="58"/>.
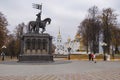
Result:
<point x="29" y="24"/>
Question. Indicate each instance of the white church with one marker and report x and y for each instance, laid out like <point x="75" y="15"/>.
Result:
<point x="75" y="45"/>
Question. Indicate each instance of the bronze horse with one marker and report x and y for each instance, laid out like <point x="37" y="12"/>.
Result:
<point x="34" y="26"/>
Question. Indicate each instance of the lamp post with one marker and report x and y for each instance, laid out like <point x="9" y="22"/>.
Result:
<point x="103" y="44"/>
<point x="3" y="52"/>
<point x="69" y="49"/>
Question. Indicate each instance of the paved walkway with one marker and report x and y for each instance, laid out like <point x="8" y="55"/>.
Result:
<point x="60" y="70"/>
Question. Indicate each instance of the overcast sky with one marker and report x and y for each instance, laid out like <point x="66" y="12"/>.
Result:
<point x="65" y="14"/>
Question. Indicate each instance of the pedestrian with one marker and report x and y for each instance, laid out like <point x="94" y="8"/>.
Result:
<point x="92" y="56"/>
<point x="89" y="56"/>
<point x="3" y="55"/>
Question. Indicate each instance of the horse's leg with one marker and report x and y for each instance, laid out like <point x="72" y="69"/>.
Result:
<point x="36" y="29"/>
<point x="29" y="28"/>
<point x="43" y="29"/>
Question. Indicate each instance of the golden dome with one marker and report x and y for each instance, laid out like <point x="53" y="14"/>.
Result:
<point x="69" y="39"/>
<point x="77" y="36"/>
<point x="59" y="36"/>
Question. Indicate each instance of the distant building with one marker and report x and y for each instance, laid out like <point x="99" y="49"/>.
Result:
<point x="76" y="45"/>
<point x="59" y="44"/>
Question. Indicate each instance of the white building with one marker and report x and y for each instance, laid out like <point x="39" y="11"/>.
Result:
<point x="75" y="45"/>
<point x="59" y="45"/>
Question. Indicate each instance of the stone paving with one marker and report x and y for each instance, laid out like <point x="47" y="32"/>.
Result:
<point x="101" y="75"/>
<point x="60" y="70"/>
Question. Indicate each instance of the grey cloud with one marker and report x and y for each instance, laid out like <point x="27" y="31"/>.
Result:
<point x="66" y="14"/>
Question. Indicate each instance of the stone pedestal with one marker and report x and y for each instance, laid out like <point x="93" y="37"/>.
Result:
<point x="36" y="47"/>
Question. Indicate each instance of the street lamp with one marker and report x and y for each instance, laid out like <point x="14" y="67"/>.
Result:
<point x="103" y="44"/>
<point x="3" y="52"/>
<point x="69" y="49"/>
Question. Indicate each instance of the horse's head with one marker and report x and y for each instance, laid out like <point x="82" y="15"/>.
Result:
<point x="47" y="20"/>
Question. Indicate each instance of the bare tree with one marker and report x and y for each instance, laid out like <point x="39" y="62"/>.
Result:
<point x="19" y="31"/>
<point x="84" y="31"/>
<point x="3" y="29"/>
<point x="115" y="31"/>
<point x="108" y="19"/>
<point x="10" y="45"/>
<point x="14" y="40"/>
<point x="90" y="30"/>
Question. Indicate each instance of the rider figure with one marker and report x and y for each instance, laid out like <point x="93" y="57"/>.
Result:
<point x="38" y="17"/>
<point x="38" y="21"/>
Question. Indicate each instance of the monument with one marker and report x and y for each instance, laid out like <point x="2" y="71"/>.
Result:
<point x="35" y="44"/>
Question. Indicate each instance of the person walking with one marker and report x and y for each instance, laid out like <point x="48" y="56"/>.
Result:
<point x="92" y="56"/>
<point x="3" y="55"/>
<point x="89" y="56"/>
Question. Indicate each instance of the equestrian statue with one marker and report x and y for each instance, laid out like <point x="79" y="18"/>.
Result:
<point x="33" y="26"/>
